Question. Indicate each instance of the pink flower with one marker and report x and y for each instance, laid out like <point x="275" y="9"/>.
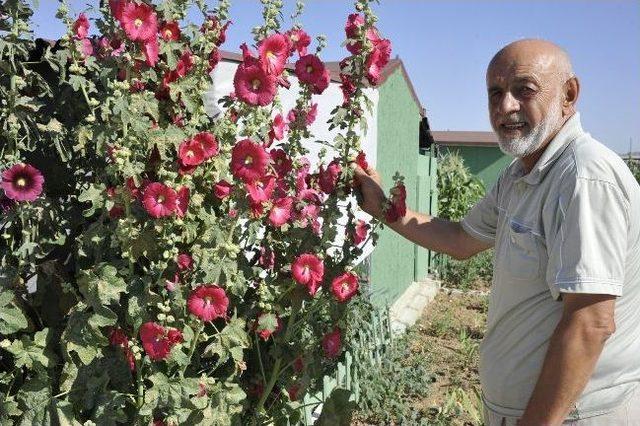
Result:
<point x="397" y="206"/>
<point x="299" y="40"/>
<point x="267" y="258"/>
<point x="360" y="232"/>
<point x="191" y="153"/>
<point x="214" y="58"/>
<point x="308" y="270"/>
<point x="22" y="182"/>
<point x="281" y="162"/>
<point x="253" y="85"/>
<point x="361" y="160"/>
<point x="117" y="8"/>
<point x="222" y="189"/>
<point x="182" y="201"/>
<point x="81" y="27"/>
<point x="281" y="211"/>
<point x="278" y="128"/>
<point x="208" y="142"/>
<point x="170" y="31"/>
<point x="311" y="114"/>
<point x="159" y="200"/>
<point x="139" y="21"/>
<point x="184" y="64"/>
<point x="332" y="343"/>
<point x="86" y="47"/>
<point x="119" y="339"/>
<point x="208" y="302"/>
<point x="377" y="60"/>
<point x="354" y="25"/>
<point x="151" y="51"/>
<point x="171" y="285"/>
<point x="185" y="262"/>
<point x="347" y="87"/>
<point x="329" y="177"/>
<point x="355" y="21"/>
<point x="261" y="190"/>
<point x="274" y="52"/>
<point x="249" y="160"/>
<point x="344" y="286"/>
<point x="158" y="341"/>
<point x="310" y="70"/>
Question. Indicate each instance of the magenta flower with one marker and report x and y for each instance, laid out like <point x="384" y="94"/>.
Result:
<point x="81" y="27"/>
<point x="344" y="286"/>
<point x="208" y="302"/>
<point x="281" y="211"/>
<point x="139" y="21"/>
<point x="308" y="270"/>
<point x="332" y="343"/>
<point x="222" y="189"/>
<point x="261" y="190"/>
<point x="274" y="52"/>
<point x="299" y="40"/>
<point x="170" y="31"/>
<point x="312" y="71"/>
<point x="158" y="341"/>
<point x="159" y="200"/>
<point x="22" y="182"/>
<point x="249" y="160"/>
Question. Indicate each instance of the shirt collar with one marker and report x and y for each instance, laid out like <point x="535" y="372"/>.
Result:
<point x="570" y="131"/>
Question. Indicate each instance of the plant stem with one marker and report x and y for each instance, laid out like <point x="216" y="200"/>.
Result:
<point x="194" y="343"/>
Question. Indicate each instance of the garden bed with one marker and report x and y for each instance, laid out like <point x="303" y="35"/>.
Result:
<point x="430" y="376"/>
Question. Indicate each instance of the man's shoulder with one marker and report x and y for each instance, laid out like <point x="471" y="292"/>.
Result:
<point x="591" y="159"/>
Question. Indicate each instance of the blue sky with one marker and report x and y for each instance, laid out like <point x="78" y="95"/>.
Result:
<point x="446" y="46"/>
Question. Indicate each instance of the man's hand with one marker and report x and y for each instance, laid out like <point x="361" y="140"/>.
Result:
<point x="370" y="185"/>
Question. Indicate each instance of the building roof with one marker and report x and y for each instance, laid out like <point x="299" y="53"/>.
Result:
<point x="464" y="138"/>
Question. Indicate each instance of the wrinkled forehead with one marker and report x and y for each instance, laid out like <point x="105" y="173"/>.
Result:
<point x="521" y="64"/>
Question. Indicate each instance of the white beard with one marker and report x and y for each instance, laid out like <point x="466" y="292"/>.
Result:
<point x="529" y="143"/>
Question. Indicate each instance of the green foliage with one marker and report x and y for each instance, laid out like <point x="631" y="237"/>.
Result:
<point x="634" y="166"/>
<point x="458" y="191"/>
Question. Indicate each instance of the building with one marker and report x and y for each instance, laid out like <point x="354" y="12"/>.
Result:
<point x="479" y="150"/>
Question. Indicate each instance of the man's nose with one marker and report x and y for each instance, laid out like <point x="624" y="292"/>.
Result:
<point x="509" y="104"/>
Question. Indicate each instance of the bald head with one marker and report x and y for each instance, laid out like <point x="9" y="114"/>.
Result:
<point x="546" y="55"/>
<point x="532" y="92"/>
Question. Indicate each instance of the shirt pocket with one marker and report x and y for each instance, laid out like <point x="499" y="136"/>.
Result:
<point x="523" y="254"/>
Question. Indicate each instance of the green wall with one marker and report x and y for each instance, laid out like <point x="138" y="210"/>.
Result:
<point x="485" y="162"/>
<point x="396" y="262"/>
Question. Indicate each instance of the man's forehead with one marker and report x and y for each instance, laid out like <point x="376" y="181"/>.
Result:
<point x="521" y="67"/>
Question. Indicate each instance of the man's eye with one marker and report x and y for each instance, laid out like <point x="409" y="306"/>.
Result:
<point x="527" y="91"/>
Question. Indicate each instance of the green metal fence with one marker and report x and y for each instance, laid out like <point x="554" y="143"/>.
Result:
<point x="373" y="340"/>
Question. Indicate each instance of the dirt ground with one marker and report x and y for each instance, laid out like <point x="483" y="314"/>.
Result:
<point x="446" y="339"/>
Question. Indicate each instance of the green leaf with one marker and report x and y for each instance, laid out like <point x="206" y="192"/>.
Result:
<point x="12" y="319"/>
<point x="94" y="194"/>
<point x="230" y="343"/>
<point x="338" y="409"/>
<point x="32" y="354"/>
<point x="33" y="399"/>
<point x="101" y="286"/>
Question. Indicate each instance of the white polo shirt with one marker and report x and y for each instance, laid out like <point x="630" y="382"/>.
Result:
<point x="571" y="225"/>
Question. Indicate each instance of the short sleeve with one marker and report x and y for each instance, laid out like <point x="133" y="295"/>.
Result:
<point x="587" y="245"/>
<point x="482" y="220"/>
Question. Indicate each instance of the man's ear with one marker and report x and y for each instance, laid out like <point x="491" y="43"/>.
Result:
<point x="571" y="92"/>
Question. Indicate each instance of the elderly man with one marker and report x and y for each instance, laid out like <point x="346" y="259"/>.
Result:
<point x="563" y="332"/>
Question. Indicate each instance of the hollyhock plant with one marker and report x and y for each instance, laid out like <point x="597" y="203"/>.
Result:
<point x="281" y="211"/>
<point x="267" y="258"/>
<point x="81" y="27"/>
<point x="222" y="189"/>
<point x="311" y="70"/>
<point x="278" y="128"/>
<point x="118" y="338"/>
<point x="344" y="286"/>
<point x="158" y="341"/>
<point x="151" y="51"/>
<point x="360" y="232"/>
<point x="253" y="85"/>
<point x="274" y="52"/>
<point x="332" y="343"/>
<point x="117" y="8"/>
<point x="139" y="21"/>
<point x="22" y="182"/>
<point x="249" y="161"/>
<point x="208" y="142"/>
<point x="191" y="153"/>
<point x="361" y="160"/>
<point x="261" y="190"/>
<point x="281" y="162"/>
<point x="298" y="40"/>
<point x="170" y="31"/>
<point x="266" y="325"/>
<point x="208" y="302"/>
<point x="182" y="201"/>
<point x="396" y="207"/>
<point x="377" y="60"/>
<point x="159" y="200"/>
<point x="185" y="262"/>
<point x="328" y="178"/>
<point x="308" y="270"/>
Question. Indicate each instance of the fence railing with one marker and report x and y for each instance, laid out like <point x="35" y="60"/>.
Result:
<point x="367" y="352"/>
